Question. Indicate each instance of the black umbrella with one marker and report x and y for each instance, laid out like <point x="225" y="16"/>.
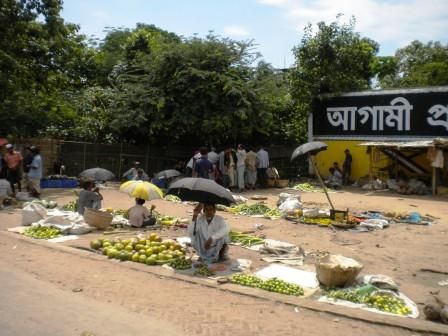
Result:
<point x="98" y="174"/>
<point x="169" y="173"/>
<point x="200" y="190"/>
<point x="311" y="149"/>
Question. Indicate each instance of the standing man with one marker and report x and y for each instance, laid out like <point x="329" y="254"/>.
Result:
<point x="13" y="161"/>
<point x="251" y="169"/>
<point x="263" y="165"/>
<point x="241" y="166"/>
<point x="347" y="167"/>
<point x="213" y="157"/>
<point x="203" y="167"/>
<point x="35" y="173"/>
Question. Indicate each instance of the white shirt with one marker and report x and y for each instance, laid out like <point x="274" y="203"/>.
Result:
<point x="217" y="229"/>
<point x="263" y="159"/>
<point x="241" y="157"/>
<point x="213" y="157"/>
<point x="191" y="163"/>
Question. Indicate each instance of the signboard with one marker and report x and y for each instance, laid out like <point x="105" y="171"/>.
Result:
<point x="406" y="113"/>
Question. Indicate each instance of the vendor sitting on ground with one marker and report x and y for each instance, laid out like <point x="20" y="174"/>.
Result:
<point x="139" y="215"/>
<point x="89" y="197"/>
<point x="334" y="180"/>
<point x="209" y="234"/>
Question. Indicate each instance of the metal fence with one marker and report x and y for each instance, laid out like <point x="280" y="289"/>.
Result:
<point x="118" y="158"/>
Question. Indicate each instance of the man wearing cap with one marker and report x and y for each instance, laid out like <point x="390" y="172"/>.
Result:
<point x="13" y="161"/>
<point x="35" y="173"/>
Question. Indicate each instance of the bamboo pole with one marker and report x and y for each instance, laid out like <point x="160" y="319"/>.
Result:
<point x="320" y="180"/>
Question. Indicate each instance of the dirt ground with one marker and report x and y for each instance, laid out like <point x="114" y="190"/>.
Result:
<point x="400" y="251"/>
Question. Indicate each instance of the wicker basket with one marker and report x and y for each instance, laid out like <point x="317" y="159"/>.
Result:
<point x="281" y="183"/>
<point x="337" y="270"/>
<point x="96" y="218"/>
<point x="271" y="183"/>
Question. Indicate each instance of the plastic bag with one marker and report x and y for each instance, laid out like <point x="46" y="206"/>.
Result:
<point x="290" y="205"/>
<point x="32" y="213"/>
<point x="285" y="196"/>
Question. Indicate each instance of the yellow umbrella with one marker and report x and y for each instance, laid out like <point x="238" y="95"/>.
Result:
<point x="141" y="189"/>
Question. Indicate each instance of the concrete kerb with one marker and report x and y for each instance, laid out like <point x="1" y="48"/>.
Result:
<point x="420" y="326"/>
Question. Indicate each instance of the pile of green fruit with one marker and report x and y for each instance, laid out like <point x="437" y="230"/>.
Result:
<point x="150" y="251"/>
<point x="172" y="198"/>
<point x="71" y="206"/>
<point x="204" y="271"/>
<point x="180" y="264"/>
<point x="41" y="232"/>
<point x="377" y="300"/>
<point x="244" y="239"/>
<point x="272" y="285"/>
<point x="249" y="210"/>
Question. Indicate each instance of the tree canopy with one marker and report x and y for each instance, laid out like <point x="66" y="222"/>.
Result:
<point x="148" y="85"/>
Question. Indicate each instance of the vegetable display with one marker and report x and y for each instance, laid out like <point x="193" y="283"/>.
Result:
<point x="70" y="206"/>
<point x="306" y="187"/>
<point x="378" y="300"/>
<point x="41" y="232"/>
<point x="271" y="285"/>
<point x="204" y="271"/>
<point x="172" y="198"/>
<point x="249" y="210"/>
<point x="180" y="264"/>
<point x="244" y="239"/>
<point x="151" y="250"/>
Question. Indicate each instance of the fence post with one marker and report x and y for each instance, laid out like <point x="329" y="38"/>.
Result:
<point x="147" y="159"/>
<point x="84" y="157"/>
<point x="120" y="159"/>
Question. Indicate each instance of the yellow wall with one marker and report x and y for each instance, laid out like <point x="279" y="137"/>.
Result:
<point x="361" y="159"/>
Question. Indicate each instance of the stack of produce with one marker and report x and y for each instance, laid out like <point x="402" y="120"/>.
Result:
<point x="271" y="285"/>
<point x="172" y="198"/>
<point x="42" y="232"/>
<point x="250" y="210"/>
<point x="151" y="250"/>
<point x="71" y="206"/>
<point x="382" y="301"/>
<point x="204" y="271"/>
<point x="244" y="239"/>
<point x="46" y="204"/>
<point x="180" y="264"/>
<point x="306" y="187"/>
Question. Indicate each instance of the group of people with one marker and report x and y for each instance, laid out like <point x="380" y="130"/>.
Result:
<point x="15" y="168"/>
<point x="237" y="169"/>
<point x="338" y="176"/>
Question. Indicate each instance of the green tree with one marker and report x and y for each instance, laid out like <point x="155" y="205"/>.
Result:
<point x="335" y="59"/>
<point x="419" y="64"/>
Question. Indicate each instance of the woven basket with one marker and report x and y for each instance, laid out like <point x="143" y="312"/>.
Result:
<point x="281" y="183"/>
<point x="271" y="183"/>
<point x="337" y="270"/>
<point x="96" y="218"/>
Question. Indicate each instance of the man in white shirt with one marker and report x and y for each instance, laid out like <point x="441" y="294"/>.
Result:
<point x="263" y="165"/>
<point x="213" y="157"/>
<point x="209" y="234"/>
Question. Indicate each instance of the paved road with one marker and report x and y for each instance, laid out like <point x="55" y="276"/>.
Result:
<point x="35" y="308"/>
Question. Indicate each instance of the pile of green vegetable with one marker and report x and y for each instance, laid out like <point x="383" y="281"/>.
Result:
<point x="180" y="264"/>
<point x="271" y="285"/>
<point x="307" y="187"/>
<point x="71" y="206"/>
<point x="42" y="232"/>
<point x="244" y="239"/>
<point x="172" y="198"/>
<point x="46" y="204"/>
<point x="373" y="298"/>
<point x="249" y="210"/>
<point x="204" y="271"/>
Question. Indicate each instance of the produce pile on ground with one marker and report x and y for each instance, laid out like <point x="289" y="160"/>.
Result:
<point x="204" y="271"/>
<point x="46" y="204"/>
<point x="373" y="299"/>
<point x="71" y="206"/>
<point x="271" y="285"/>
<point x="256" y="209"/>
<point x="41" y="232"/>
<point x="244" y="239"/>
<point x="172" y="198"/>
<point x="151" y="250"/>
<point x="306" y="187"/>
